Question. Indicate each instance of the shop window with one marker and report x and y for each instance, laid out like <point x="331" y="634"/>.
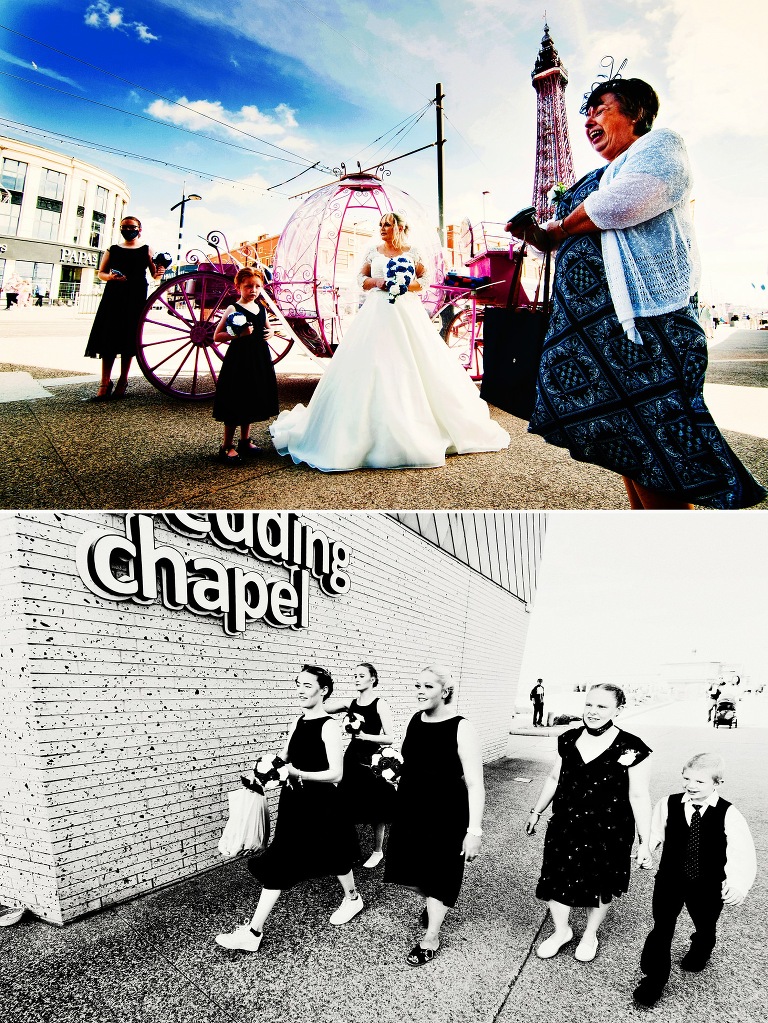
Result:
<point x="39" y="274"/>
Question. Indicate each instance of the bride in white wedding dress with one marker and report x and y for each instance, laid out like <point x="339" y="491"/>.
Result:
<point x="393" y="395"/>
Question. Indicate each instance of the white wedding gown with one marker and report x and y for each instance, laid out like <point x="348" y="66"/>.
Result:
<point x="393" y="397"/>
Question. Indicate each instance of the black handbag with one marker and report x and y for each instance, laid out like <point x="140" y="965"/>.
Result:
<point x="512" y="343"/>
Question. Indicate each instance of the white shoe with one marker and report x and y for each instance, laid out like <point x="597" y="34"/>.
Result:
<point x="549" y="948"/>
<point x="586" y="950"/>
<point x="243" y="938"/>
<point x="347" y="910"/>
<point x="374" y="860"/>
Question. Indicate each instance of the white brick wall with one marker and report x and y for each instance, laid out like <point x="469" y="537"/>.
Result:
<point x="124" y="726"/>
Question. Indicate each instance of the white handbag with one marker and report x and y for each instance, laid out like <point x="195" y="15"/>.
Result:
<point x="247" y="829"/>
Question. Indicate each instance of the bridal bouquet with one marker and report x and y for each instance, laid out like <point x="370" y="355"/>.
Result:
<point x="162" y="259"/>
<point x="387" y="764"/>
<point x="399" y="274"/>
<point x="236" y="324"/>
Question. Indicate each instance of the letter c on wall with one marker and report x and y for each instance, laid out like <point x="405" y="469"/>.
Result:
<point x="93" y="558"/>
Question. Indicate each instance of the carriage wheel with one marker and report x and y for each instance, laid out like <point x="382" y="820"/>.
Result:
<point x="175" y="347"/>
<point x="458" y="337"/>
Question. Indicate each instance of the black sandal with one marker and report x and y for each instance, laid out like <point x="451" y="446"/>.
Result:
<point x="419" y="956"/>
<point x="227" y="459"/>
<point x="105" y="396"/>
<point x="247" y="449"/>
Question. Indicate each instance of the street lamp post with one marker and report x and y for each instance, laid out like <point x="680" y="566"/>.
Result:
<point x="184" y="200"/>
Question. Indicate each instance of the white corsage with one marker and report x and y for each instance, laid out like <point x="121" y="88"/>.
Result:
<point x="387" y="764"/>
<point x="400" y="274"/>
<point x="627" y="759"/>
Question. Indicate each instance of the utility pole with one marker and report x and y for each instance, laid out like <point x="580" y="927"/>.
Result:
<point x="439" y="97"/>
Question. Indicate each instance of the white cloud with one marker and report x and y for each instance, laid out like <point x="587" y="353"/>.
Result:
<point x="196" y="114"/>
<point x="101" y="15"/>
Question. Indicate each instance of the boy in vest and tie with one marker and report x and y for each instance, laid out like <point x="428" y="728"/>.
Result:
<point x="708" y="861"/>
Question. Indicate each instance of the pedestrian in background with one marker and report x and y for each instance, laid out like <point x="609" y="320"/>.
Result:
<point x="707" y="861"/>
<point x="537" y="698"/>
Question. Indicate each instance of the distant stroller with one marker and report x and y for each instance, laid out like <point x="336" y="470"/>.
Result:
<point x="725" y="714"/>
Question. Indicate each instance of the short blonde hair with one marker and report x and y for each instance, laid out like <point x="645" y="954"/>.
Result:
<point x="711" y="762"/>
<point x="444" y="677"/>
<point x="398" y="221"/>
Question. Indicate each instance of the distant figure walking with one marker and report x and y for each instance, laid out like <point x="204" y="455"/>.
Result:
<point x="537" y="698"/>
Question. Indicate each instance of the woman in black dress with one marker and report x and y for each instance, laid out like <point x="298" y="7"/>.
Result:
<point x="599" y="789"/>
<point x="246" y="391"/>
<point x="124" y="269"/>
<point x="439" y="807"/>
<point x="313" y="837"/>
<point x="369" y="800"/>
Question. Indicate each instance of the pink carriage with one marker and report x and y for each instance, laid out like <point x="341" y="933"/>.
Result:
<point x="311" y="291"/>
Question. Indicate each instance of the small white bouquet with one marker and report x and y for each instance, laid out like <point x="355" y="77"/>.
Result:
<point x="399" y="274"/>
<point x="352" y="723"/>
<point x="387" y="764"/>
<point x="271" y="772"/>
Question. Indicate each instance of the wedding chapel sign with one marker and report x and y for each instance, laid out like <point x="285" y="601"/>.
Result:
<point x="131" y="565"/>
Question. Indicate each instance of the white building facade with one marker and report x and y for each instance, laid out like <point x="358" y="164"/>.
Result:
<point x="57" y="217"/>
<point x="147" y="660"/>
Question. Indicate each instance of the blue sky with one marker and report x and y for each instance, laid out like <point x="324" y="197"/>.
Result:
<point x="322" y="79"/>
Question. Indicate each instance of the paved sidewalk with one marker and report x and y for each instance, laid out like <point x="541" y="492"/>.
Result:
<point x="154" y="960"/>
<point x="150" y="451"/>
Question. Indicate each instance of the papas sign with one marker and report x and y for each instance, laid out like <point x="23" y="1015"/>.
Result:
<point x="132" y="566"/>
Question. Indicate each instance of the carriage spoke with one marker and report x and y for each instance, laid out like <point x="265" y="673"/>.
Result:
<point x="157" y="365"/>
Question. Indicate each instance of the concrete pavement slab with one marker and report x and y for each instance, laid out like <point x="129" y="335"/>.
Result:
<point x="19" y="386"/>
<point x="122" y="961"/>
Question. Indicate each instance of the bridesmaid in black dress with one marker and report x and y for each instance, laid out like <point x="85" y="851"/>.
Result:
<point x="439" y="807"/>
<point x="599" y="790"/>
<point x="124" y="269"/>
<point x="246" y="391"/>
<point x="370" y="800"/>
<point x="313" y="836"/>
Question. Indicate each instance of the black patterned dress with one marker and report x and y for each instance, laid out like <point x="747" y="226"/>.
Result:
<point x="588" y="846"/>
<point x="116" y="322"/>
<point x="634" y="409"/>
<point x="370" y="800"/>
<point x="431" y="812"/>
<point x="313" y="835"/>
<point x="246" y="391"/>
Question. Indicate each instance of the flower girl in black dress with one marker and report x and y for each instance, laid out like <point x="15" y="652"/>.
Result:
<point x="246" y="391"/>
<point x="370" y="800"/>
<point x="313" y="835"/>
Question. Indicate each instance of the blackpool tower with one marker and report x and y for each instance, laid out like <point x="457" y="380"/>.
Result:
<point x="554" y="162"/>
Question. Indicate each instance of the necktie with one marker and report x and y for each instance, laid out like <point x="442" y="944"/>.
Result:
<point x="691" y="864"/>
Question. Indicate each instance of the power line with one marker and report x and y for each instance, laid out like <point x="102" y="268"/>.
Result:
<point x="159" y="95"/>
<point x="152" y="120"/>
<point x="101" y="147"/>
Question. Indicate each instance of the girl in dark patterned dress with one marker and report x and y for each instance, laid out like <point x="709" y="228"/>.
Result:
<point x="246" y="391"/>
<point x="439" y="809"/>
<point x="313" y="836"/>
<point x="124" y="269"/>
<point x="598" y="788"/>
<point x="621" y="377"/>
<point x="370" y="800"/>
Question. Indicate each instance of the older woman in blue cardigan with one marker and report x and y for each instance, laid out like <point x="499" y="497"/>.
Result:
<point x="622" y="371"/>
